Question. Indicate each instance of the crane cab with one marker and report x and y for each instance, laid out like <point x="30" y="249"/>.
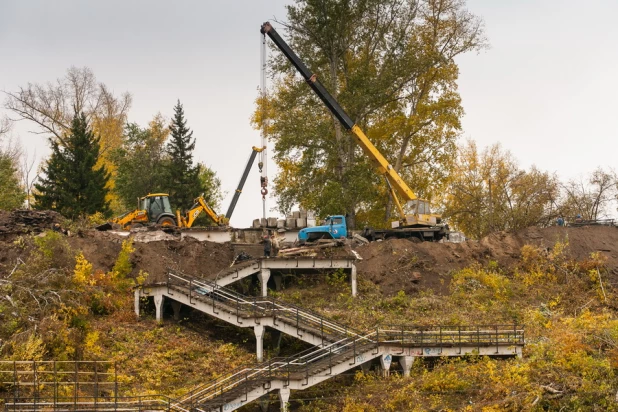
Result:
<point x="417" y="213"/>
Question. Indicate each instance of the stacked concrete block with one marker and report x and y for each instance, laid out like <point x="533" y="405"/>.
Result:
<point x="256" y="223"/>
<point x="301" y="222"/>
<point x="290" y="223"/>
<point x="296" y="214"/>
<point x="280" y="223"/>
<point x="272" y="222"/>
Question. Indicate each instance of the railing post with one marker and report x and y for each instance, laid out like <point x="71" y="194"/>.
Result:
<point x="16" y="386"/>
<point x="246" y="386"/>
<point x="115" y="386"/>
<point x="96" y="385"/>
<point x="459" y="330"/>
<point x="478" y="338"/>
<point x="497" y="341"/>
<point x="76" y="388"/>
<point x="55" y="385"/>
<point x="35" y="384"/>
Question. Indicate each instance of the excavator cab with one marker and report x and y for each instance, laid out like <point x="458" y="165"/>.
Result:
<point x="156" y="205"/>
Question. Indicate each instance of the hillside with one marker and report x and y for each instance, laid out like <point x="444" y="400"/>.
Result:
<point x="58" y="304"/>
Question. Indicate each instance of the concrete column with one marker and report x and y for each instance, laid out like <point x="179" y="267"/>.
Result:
<point x="278" y="279"/>
<point x="259" y="342"/>
<point x="385" y="363"/>
<point x="284" y="397"/>
<point x="353" y="280"/>
<point x="366" y="367"/>
<point x="275" y="339"/>
<point x="136" y="295"/>
<point x="264" y="275"/>
<point x="176" y="306"/>
<point x="158" y="300"/>
<point x="406" y="363"/>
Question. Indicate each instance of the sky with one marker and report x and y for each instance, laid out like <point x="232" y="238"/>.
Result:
<point x="545" y="89"/>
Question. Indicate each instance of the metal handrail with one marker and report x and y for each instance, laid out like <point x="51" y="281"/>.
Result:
<point x="342" y="341"/>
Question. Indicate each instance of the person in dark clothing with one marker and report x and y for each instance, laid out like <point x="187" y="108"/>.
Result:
<point x="267" y="245"/>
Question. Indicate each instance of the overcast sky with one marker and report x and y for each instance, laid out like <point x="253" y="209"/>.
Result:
<point x="545" y="89"/>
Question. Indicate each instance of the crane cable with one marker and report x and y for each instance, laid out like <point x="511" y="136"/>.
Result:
<point x="262" y="162"/>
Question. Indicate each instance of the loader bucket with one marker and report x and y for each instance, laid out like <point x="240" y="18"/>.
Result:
<point x="105" y="226"/>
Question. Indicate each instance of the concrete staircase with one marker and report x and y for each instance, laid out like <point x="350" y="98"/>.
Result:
<point x="338" y="348"/>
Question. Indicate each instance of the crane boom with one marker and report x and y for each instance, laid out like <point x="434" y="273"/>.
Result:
<point x="382" y="165"/>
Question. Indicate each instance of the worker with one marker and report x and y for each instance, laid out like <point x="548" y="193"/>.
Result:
<point x="267" y="245"/>
<point x="275" y="244"/>
<point x="560" y="220"/>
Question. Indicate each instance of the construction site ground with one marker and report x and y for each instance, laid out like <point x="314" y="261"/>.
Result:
<point x="394" y="265"/>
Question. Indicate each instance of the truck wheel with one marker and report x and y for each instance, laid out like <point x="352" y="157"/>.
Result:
<point x="167" y="222"/>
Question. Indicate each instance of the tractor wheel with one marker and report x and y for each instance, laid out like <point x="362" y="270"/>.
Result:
<point x="167" y="222"/>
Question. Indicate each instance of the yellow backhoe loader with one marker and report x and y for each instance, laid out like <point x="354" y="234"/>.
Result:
<point x="155" y="208"/>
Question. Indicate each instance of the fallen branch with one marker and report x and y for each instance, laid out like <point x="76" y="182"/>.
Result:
<point x="602" y="288"/>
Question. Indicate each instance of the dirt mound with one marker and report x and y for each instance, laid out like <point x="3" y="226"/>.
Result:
<point x="187" y="255"/>
<point x="27" y="221"/>
<point x="395" y="264"/>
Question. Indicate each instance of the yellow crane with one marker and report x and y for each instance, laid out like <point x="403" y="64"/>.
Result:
<point x="415" y="217"/>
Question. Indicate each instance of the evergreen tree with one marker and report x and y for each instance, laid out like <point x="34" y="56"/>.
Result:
<point x="183" y="176"/>
<point x="13" y="195"/>
<point x="72" y="185"/>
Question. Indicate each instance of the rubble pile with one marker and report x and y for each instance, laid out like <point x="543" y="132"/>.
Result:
<point x="27" y="221"/>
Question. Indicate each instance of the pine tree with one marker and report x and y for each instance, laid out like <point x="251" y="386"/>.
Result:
<point x="13" y="195"/>
<point x="72" y="185"/>
<point x="183" y="176"/>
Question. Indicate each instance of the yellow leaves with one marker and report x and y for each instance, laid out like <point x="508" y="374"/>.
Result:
<point x="91" y="346"/>
<point x="83" y="270"/>
<point x="32" y="350"/>
<point x="480" y="282"/>
<point x="123" y="267"/>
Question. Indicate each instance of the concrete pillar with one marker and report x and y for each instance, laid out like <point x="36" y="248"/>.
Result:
<point x="275" y="339"/>
<point x="259" y="342"/>
<point x="284" y="397"/>
<point x="136" y="295"/>
<point x="158" y="300"/>
<point x="366" y="367"/>
<point x="406" y="364"/>
<point x="264" y="276"/>
<point x="353" y="280"/>
<point x="278" y="279"/>
<point x="385" y="363"/>
<point x="176" y="306"/>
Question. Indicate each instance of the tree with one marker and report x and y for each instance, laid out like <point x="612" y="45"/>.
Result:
<point x="182" y="175"/>
<point x="390" y="64"/>
<point x="72" y="184"/>
<point x="488" y="192"/>
<point x="53" y="106"/>
<point x="589" y="198"/>
<point x="141" y="162"/>
<point x="13" y="195"/>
